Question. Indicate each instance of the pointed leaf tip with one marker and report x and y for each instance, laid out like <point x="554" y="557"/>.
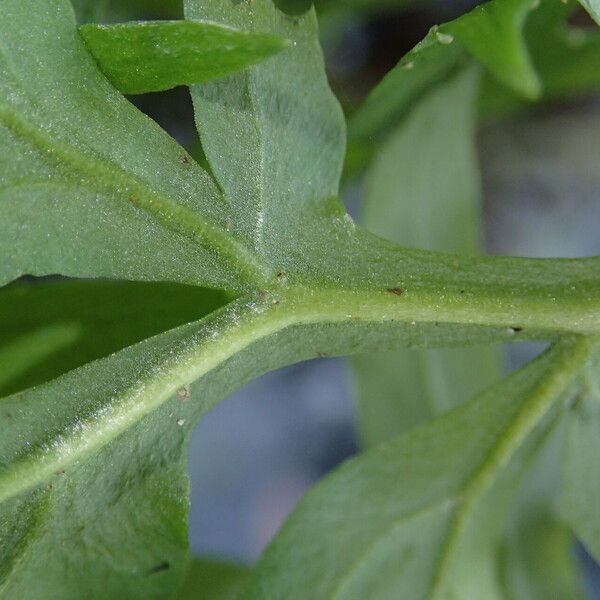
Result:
<point x="154" y="56"/>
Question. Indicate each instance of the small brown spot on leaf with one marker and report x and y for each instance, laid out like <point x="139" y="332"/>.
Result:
<point x="184" y="394"/>
<point x="396" y="291"/>
<point x="185" y="160"/>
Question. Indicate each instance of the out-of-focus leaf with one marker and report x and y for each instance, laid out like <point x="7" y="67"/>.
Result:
<point x="109" y="11"/>
<point x="580" y="502"/>
<point x="364" y="6"/>
<point x="29" y="350"/>
<point x="492" y="34"/>
<point x="212" y="580"/>
<point x="537" y="557"/>
<point x="422" y="190"/>
<point x="419" y="517"/>
<point x="566" y="58"/>
<point x="70" y="323"/>
<point x="90" y="11"/>
<point x="152" y="56"/>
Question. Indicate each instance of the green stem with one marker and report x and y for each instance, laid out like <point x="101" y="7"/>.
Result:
<point x="228" y="332"/>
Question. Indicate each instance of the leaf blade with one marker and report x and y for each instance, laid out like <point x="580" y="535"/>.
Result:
<point x="67" y="181"/>
<point x="289" y="147"/>
<point x="581" y="484"/>
<point x="396" y="484"/>
<point x="153" y="56"/>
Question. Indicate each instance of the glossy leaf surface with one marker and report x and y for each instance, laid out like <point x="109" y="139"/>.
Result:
<point x="149" y="56"/>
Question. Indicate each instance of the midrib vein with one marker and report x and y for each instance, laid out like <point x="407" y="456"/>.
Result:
<point x="250" y="85"/>
<point x="114" y="180"/>
<point x="545" y="394"/>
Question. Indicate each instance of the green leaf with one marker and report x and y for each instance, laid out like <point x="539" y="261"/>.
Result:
<point x="49" y="328"/>
<point x="566" y="58"/>
<point x="83" y="170"/>
<point x="212" y="580"/>
<point x="580" y="502"/>
<point x="28" y="350"/>
<point x="538" y="558"/>
<point x="492" y="34"/>
<point x="405" y="203"/>
<point x="93" y="491"/>
<point x="420" y="516"/>
<point x="154" y="56"/>
<point x="288" y="151"/>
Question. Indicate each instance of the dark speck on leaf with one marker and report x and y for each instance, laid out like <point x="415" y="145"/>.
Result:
<point x="517" y="329"/>
<point x="185" y="159"/>
<point x="396" y="291"/>
<point x="164" y="566"/>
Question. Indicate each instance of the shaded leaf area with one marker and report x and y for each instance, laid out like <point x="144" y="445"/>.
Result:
<point x="363" y="6"/>
<point x="405" y="203"/>
<point x="421" y="516"/>
<point x="49" y="328"/>
<point x="537" y="557"/>
<point x="146" y="56"/>
<point x="88" y="11"/>
<point x="108" y="11"/>
<point x="212" y="580"/>
<point x="580" y="502"/>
